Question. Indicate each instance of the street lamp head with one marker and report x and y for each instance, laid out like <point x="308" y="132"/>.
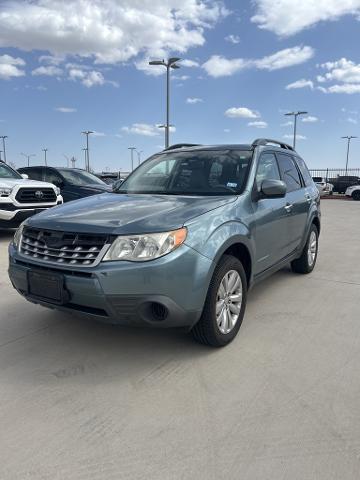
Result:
<point x="173" y="60"/>
<point x="289" y="113"/>
<point x="174" y="66"/>
<point x="157" y="62"/>
<point x="302" y="113"/>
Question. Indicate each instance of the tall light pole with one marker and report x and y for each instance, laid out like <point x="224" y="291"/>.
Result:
<point x="3" y="142"/>
<point x="295" y="115"/>
<point x="0" y="155"/>
<point x="132" y="157"/>
<point x="28" y="156"/>
<point x="45" y="150"/>
<point x="85" y="156"/>
<point x="170" y="63"/>
<point x="87" y="163"/>
<point x="347" y="151"/>
<point x="139" y="152"/>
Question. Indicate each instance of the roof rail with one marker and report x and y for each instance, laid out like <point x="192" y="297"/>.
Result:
<point x="266" y="141"/>
<point x="181" y="145"/>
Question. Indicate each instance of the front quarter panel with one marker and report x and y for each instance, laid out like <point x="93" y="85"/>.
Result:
<point x="215" y="231"/>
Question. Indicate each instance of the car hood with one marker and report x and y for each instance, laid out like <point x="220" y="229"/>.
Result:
<point x="98" y="188"/>
<point x="22" y="182"/>
<point x="123" y="214"/>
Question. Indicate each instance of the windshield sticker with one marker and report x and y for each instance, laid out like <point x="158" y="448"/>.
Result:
<point x="231" y="185"/>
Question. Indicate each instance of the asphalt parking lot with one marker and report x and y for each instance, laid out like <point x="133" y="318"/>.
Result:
<point x="82" y="400"/>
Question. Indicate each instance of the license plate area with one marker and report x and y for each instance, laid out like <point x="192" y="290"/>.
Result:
<point x="47" y="286"/>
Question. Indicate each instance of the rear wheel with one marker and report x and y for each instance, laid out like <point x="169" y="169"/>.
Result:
<point x="356" y="195"/>
<point x="306" y="262"/>
<point x="224" y="305"/>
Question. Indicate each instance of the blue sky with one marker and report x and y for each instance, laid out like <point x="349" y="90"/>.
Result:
<point x="75" y="65"/>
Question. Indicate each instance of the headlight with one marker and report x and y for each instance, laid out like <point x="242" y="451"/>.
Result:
<point x="140" y="248"/>
<point x="18" y="235"/>
<point x="5" y="192"/>
<point x="57" y="191"/>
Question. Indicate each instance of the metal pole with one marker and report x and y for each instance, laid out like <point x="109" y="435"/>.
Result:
<point x="4" y="149"/>
<point x="295" y="120"/>
<point x="0" y="155"/>
<point x="167" y="105"/>
<point x="45" y="150"/>
<point x="347" y="155"/>
<point x="87" y="153"/>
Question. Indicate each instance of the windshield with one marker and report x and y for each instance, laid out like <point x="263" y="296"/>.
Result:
<point x="80" y="177"/>
<point x="7" y="172"/>
<point x="207" y="172"/>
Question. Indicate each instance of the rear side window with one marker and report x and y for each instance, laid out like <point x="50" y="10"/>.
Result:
<point x="289" y="172"/>
<point x="305" y="172"/>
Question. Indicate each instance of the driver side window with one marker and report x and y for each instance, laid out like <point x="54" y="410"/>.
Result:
<point x="267" y="169"/>
<point x="53" y="177"/>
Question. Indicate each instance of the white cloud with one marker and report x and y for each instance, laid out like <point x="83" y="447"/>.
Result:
<point x="298" y="137"/>
<point x="189" y="63"/>
<point x="348" y="88"/>
<point x="303" y="83"/>
<point x="48" y="70"/>
<point x="286" y="58"/>
<point x="180" y="77"/>
<point x="352" y="120"/>
<point x="286" y="17"/>
<point x="108" y="31"/>
<point x="193" y="100"/>
<point x="235" y="39"/>
<point x="219" y="66"/>
<point x="310" y="119"/>
<point x="342" y="70"/>
<point x="258" y="124"/>
<point x="9" y="67"/>
<point x="241" y="112"/>
<point x="88" y="78"/>
<point x="142" y="129"/>
<point x="66" y="109"/>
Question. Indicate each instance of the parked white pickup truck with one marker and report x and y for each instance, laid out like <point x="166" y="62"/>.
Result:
<point x="21" y="198"/>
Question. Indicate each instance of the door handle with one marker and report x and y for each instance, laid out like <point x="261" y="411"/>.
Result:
<point x="288" y="207"/>
<point x="308" y="197"/>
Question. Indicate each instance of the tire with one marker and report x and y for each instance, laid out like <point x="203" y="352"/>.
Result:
<point x="356" y="195"/>
<point x="219" y="330"/>
<point x="307" y="260"/>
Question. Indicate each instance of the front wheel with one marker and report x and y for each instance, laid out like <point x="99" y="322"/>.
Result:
<point x="356" y="195"/>
<point x="224" y="305"/>
<point x="306" y="262"/>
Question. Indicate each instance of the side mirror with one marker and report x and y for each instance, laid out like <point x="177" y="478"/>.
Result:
<point x="273" y="189"/>
<point x="24" y="176"/>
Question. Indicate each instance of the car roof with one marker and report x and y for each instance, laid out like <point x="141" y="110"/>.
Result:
<point x="55" y="168"/>
<point x="259" y="142"/>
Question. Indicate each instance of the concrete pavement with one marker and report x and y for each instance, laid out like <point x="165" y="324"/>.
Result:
<point x="82" y="400"/>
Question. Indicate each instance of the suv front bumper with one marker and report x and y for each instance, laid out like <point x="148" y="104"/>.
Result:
<point x="166" y="292"/>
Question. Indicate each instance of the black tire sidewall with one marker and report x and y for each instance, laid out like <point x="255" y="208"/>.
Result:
<point x="356" y="195"/>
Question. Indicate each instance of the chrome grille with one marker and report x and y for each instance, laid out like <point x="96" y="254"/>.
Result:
<point x="36" y="195"/>
<point x="63" y="248"/>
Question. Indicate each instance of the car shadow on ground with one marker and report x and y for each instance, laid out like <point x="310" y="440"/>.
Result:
<point x="88" y="334"/>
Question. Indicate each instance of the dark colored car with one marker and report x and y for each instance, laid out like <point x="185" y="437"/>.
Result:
<point x="179" y="243"/>
<point x="342" y="182"/>
<point x="74" y="183"/>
